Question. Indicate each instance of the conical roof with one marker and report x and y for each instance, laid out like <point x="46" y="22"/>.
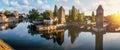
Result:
<point x="61" y="8"/>
<point x="100" y="7"/>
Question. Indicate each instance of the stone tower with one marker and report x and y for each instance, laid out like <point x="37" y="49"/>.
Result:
<point x="99" y="17"/>
<point x="61" y="16"/>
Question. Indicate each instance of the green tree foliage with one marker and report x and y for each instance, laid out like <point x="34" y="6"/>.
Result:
<point x="93" y="17"/>
<point x="74" y="13"/>
<point x="7" y="12"/>
<point x="47" y="14"/>
<point x="75" y="16"/>
<point x="33" y="14"/>
<point x="55" y="13"/>
<point x="82" y="17"/>
<point x="69" y="17"/>
<point x="79" y="16"/>
<point x="40" y="17"/>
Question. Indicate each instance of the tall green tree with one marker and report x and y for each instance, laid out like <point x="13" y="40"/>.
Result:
<point x="33" y="14"/>
<point x="74" y="13"/>
<point x="7" y="12"/>
<point x="47" y="14"/>
<point x="93" y="17"/>
<point x="55" y="13"/>
<point x="82" y="17"/>
<point x="69" y="19"/>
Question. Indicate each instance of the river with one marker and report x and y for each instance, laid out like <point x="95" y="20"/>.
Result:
<point x="20" y="37"/>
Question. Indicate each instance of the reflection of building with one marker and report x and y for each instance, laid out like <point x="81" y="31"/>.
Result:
<point x="5" y="26"/>
<point x="61" y="15"/>
<point x="57" y="36"/>
<point x="99" y="40"/>
<point x="99" y="16"/>
<point x="60" y="37"/>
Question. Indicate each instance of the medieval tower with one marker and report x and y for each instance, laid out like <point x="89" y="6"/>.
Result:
<point x="99" y="17"/>
<point x="61" y="16"/>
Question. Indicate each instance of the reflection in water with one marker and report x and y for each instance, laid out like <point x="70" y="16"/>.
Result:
<point x="73" y="38"/>
<point x="57" y="35"/>
<point x="99" y="40"/>
<point x="5" y="26"/>
<point x="73" y="32"/>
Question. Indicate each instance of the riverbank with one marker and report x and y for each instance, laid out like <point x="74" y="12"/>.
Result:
<point x="4" y="46"/>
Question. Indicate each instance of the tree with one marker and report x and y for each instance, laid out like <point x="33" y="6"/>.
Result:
<point x="7" y="12"/>
<point x="82" y="16"/>
<point x="40" y="17"/>
<point x="69" y="17"/>
<point x="93" y="17"/>
<point x="47" y="14"/>
<point x="74" y="13"/>
<point x="33" y="14"/>
<point x="55" y="13"/>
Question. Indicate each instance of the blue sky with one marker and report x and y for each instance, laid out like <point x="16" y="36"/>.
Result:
<point x="86" y="6"/>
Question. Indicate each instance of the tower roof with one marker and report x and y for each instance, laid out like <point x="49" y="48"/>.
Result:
<point x="61" y="8"/>
<point x="100" y="7"/>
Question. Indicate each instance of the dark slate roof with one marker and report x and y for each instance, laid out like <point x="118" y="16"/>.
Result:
<point x="61" y="8"/>
<point x="99" y="7"/>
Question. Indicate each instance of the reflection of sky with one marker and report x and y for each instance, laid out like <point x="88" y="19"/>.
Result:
<point x="111" y="41"/>
<point x="84" y="41"/>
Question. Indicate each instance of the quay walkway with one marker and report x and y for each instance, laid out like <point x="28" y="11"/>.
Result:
<point x="4" y="46"/>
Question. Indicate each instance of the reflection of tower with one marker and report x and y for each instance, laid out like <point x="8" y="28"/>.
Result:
<point x="57" y="36"/>
<point x="99" y="40"/>
<point x="61" y="15"/>
<point x="60" y="37"/>
<point x="99" y="16"/>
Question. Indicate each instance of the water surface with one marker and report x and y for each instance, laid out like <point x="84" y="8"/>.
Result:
<point x="21" y="37"/>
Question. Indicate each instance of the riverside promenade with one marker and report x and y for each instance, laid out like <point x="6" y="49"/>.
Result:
<point x="4" y="46"/>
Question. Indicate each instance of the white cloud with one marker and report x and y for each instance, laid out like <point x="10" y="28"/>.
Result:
<point x="6" y="2"/>
<point x="39" y="2"/>
<point x="14" y="4"/>
<point x="110" y="6"/>
<point x="43" y="5"/>
<point x="25" y="2"/>
<point x="64" y="0"/>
